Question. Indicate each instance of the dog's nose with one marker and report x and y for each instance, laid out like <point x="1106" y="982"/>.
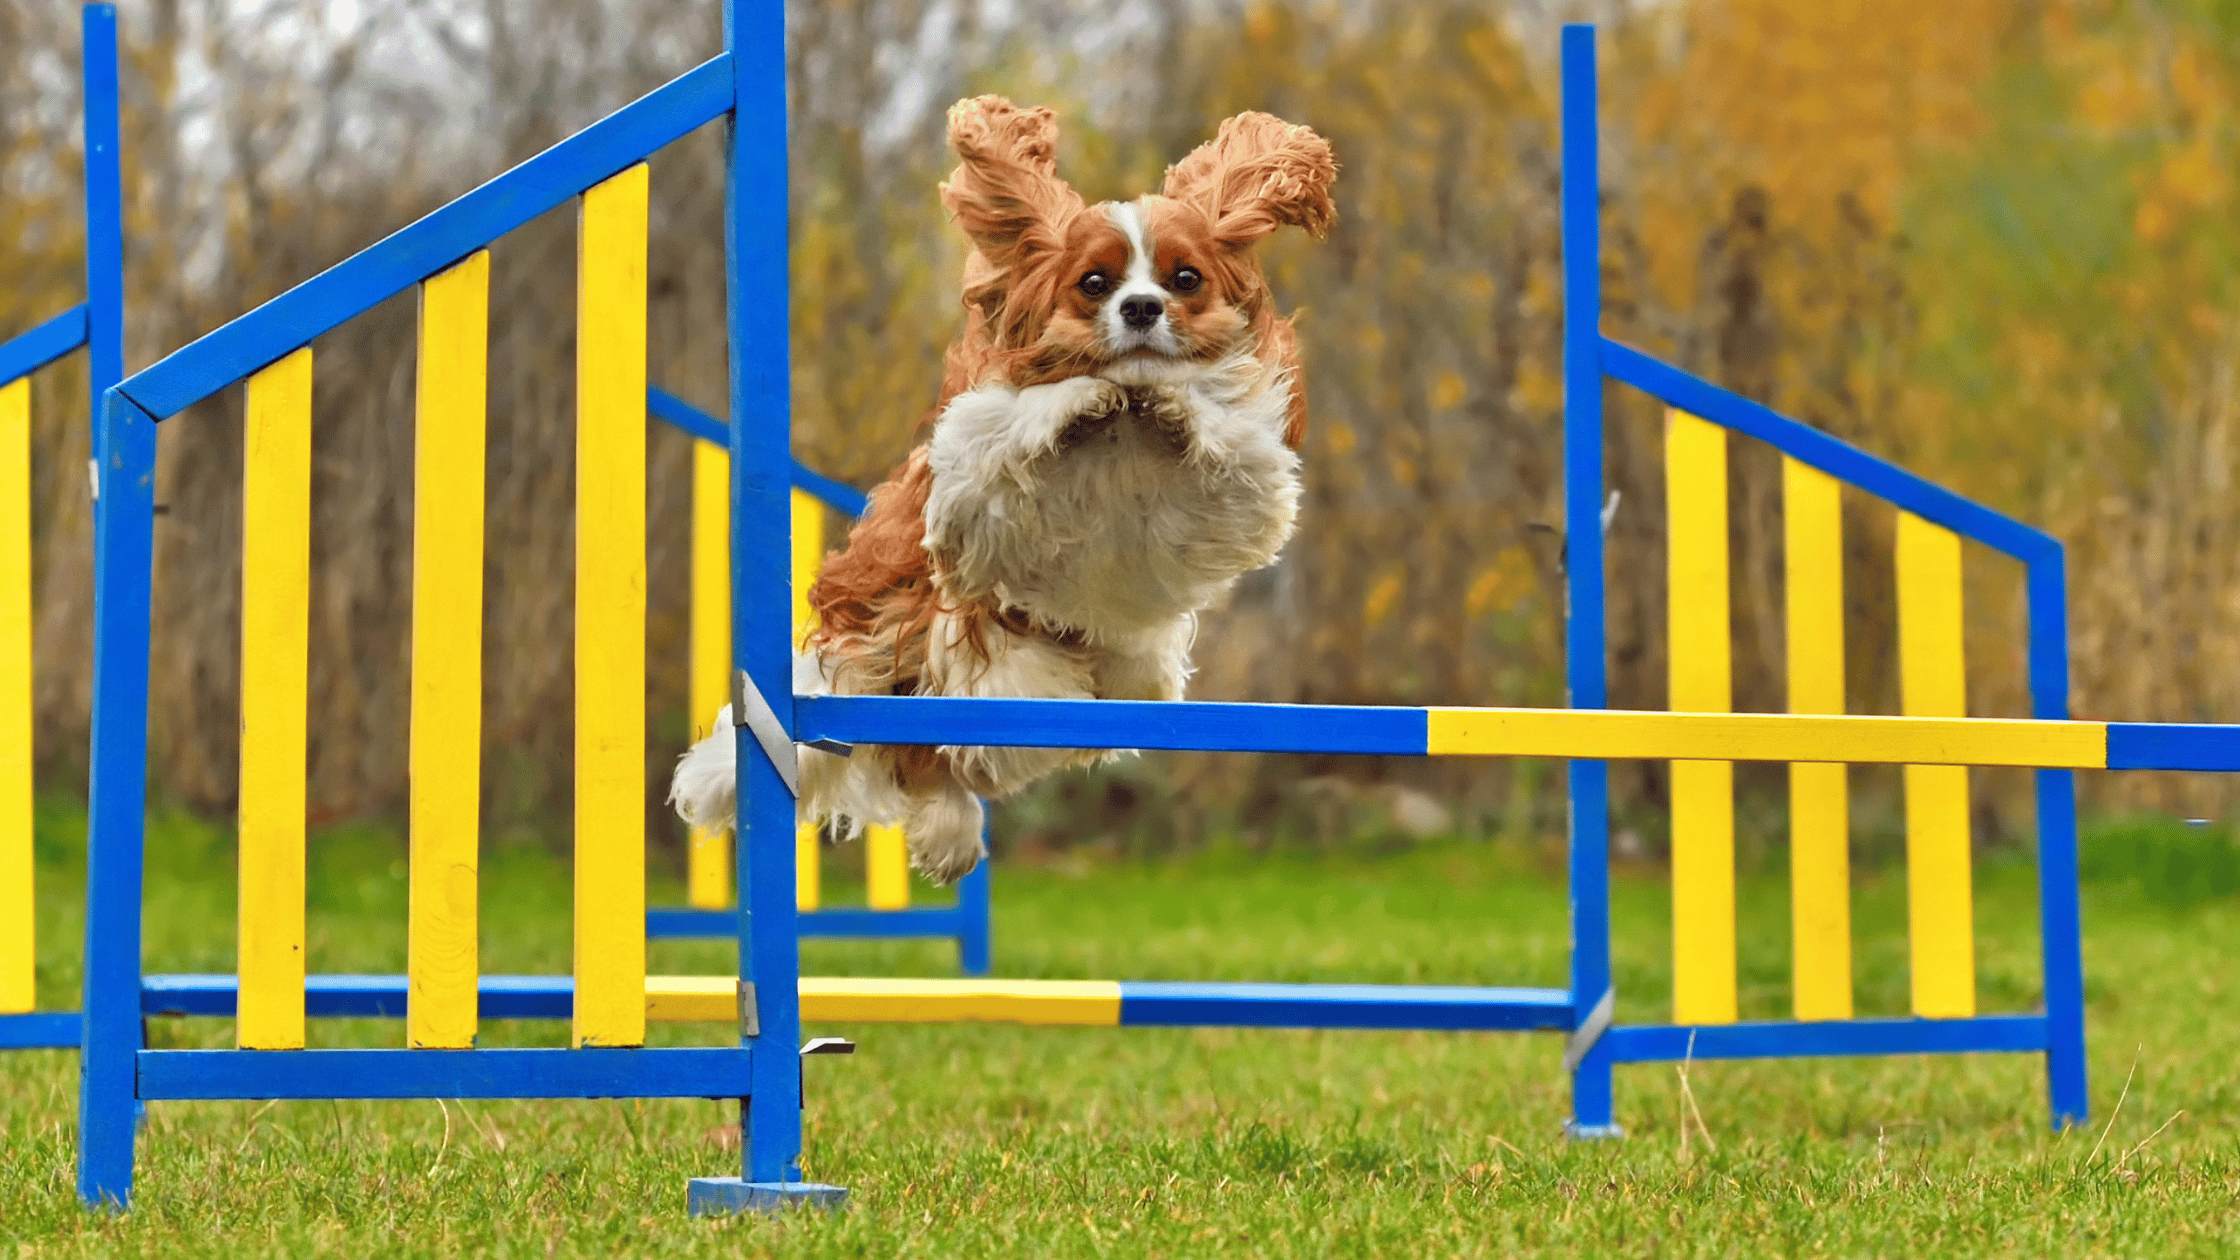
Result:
<point x="1141" y="311"/>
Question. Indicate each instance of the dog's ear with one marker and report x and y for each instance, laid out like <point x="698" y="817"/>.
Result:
<point x="1006" y="191"/>
<point x="1257" y="174"/>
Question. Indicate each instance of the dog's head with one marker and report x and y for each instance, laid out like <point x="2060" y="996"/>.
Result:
<point x="1137" y="291"/>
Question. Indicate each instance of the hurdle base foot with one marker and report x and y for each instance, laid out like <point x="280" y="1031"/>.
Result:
<point x="1578" y="1132"/>
<point x="727" y="1196"/>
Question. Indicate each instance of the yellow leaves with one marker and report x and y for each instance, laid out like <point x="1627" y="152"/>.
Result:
<point x="2115" y="96"/>
<point x="1260" y="23"/>
<point x="1379" y="602"/>
<point x="1340" y="439"/>
<point x="1500" y="586"/>
<point x="2200" y="95"/>
<point x="2152" y="222"/>
<point x="2190" y="180"/>
<point x="1448" y="390"/>
<point x="1539" y="385"/>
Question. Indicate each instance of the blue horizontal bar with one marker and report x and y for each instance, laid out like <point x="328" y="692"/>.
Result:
<point x="2172" y="746"/>
<point x="41" y="1030"/>
<point x="381" y="271"/>
<point x="1831" y="455"/>
<point x="675" y="411"/>
<point x="1212" y="727"/>
<point x="1149" y="1004"/>
<point x="1785" y="1040"/>
<point x="857" y="921"/>
<point x="711" y="1072"/>
<point x="361" y="997"/>
<point x="838" y="495"/>
<point x="679" y="923"/>
<point x="33" y="350"/>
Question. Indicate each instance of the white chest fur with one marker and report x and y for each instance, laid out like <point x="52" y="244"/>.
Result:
<point x="1108" y="510"/>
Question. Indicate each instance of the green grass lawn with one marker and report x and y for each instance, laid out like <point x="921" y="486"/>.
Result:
<point x="990" y="1140"/>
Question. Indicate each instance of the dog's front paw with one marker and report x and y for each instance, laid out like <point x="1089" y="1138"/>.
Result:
<point x="1047" y="412"/>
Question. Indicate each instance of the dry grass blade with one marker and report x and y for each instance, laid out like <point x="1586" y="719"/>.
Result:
<point x="2126" y="1156"/>
<point x="1688" y="1109"/>
<point x="2119" y="1104"/>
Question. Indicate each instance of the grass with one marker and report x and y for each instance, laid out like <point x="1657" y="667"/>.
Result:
<point x="1005" y="1141"/>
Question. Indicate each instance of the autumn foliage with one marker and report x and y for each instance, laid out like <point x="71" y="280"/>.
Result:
<point x="1991" y="239"/>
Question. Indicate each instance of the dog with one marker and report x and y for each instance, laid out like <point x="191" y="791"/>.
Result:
<point x="1116" y="442"/>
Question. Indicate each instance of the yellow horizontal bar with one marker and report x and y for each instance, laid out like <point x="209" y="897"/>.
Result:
<point x="1617" y="735"/>
<point x="826" y="999"/>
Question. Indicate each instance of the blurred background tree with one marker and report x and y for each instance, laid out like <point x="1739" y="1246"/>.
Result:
<point x="1991" y="239"/>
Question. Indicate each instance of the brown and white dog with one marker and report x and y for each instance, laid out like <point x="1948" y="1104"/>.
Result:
<point x="1116" y="443"/>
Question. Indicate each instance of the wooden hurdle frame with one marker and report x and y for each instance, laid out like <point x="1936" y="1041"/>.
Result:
<point x="97" y="325"/>
<point x="610" y="998"/>
<point x="888" y="913"/>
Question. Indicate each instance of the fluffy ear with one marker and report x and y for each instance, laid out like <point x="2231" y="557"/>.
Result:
<point x="1006" y="189"/>
<point x="1257" y="174"/>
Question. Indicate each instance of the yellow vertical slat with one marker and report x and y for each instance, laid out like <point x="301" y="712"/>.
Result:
<point x="886" y="868"/>
<point x="19" y="940"/>
<point x="708" y="882"/>
<point x="610" y="950"/>
<point x="446" y="734"/>
<point x="808" y="557"/>
<point x="1703" y="928"/>
<point x="1932" y="677"/>
<point x="1819" y="792"/>
<point x="275" y="674"/>
<point x="808" y="864"/>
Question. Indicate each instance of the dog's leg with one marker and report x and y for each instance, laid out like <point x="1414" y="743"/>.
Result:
<point x="1018" y="666"/>
<point x="1152" y="666"/>
<point x="943" y="831"/>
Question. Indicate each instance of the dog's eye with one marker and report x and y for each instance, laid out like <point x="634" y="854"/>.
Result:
<point x="1187" y="280"/>
<point x="1096" y="284"/>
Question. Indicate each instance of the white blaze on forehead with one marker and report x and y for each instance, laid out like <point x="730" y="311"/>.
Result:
<point x="1128" y="217"/>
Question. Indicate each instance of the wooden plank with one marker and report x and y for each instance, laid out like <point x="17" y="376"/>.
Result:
<point x="449" y="440"/>
<point x="1932" y="679"/>
<point x="808" y="557"/>
<point x="669" y="1072"/>
<point x="886" y="868"/>
<point x="1884" y="480"/>
<point x="19" y="939"/>
<point x="808" y="863"/>
<point x="275" y="680"/>
<point x="610" y="892"/>
<point x="708" y="881"/>
<point x="1617" y="735"/>
<point x="1819" y="792"/>
<point x="380" y="271"/>
<point x="1702" y="681"/>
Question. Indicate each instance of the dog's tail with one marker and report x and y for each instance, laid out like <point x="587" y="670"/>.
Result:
<point x="705" y="789"/>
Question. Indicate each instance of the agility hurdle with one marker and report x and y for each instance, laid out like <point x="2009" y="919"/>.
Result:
<point x="888" y="916"/>
<point x="888" y="912"/>
<point x="97" y="325"/>
<point x="611" y="996"/>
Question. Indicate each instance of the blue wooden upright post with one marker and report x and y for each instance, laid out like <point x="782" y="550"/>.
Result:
<point x="1583" y="629"/>
<point x="124" y="439"/>
<point x="124" y="540"/>
<point x="2060" y="926"/>
<point x="757" y="296"/>
<point x="972" y="917"/>
<point x="104" y="205"/>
